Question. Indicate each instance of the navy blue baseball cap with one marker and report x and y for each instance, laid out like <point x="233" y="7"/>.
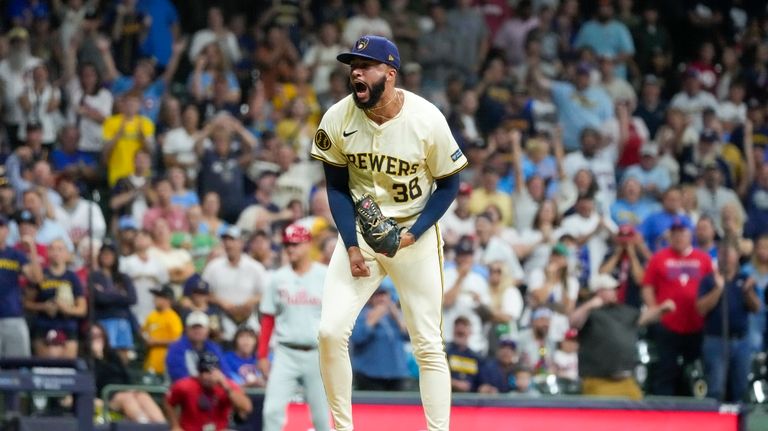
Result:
<point x="375" y="48"/>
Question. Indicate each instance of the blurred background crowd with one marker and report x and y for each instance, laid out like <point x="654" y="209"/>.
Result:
<point x="614" y="211"/>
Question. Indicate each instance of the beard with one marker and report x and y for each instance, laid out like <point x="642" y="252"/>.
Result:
<point x="374" y="93"/>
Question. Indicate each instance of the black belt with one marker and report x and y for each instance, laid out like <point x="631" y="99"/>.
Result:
<point x="302" y="347"/>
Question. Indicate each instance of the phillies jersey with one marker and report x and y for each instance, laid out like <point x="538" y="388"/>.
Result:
<point x="396" y="162"/>
<point x="677" y="277"/>
<point x="295" y="300"/>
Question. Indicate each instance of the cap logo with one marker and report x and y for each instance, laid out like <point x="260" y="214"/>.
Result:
<point x="362" y="43"/>
<point x="390" y="58"/>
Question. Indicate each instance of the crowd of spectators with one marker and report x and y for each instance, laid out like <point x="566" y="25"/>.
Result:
<point x="153" y="151"/>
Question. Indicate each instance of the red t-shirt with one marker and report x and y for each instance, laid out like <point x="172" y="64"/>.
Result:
<point x="677" y="277"/>
<point x="200" y="407"/>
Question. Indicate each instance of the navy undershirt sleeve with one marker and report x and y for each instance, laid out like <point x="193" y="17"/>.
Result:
<point x="438" y="203"/>
<point x="340" y="201"/>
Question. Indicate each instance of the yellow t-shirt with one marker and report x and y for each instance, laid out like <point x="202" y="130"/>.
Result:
<point x="481" y="200"/>
<point x="165" y="325"/>
<point x="120" y="163"/>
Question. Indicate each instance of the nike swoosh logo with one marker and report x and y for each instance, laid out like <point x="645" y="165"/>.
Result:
<point x="346" y="134"/>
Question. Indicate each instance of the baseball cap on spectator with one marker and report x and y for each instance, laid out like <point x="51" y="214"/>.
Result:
<point x="649" y="149"/>
<point x="465" y="189"/>
<point x="232" y="232"/>
<point x="108" y="244"/>
<point x="91" y="14"/>
<point x="650" y="80"/>
<point x="375" y="48"/>
<point x="466" y="245"/>
<point x="709" y="136"/>
<point x="627" y="230"/>
<point x="583" y="68"/>
<point x="561" y="249"/>
<point x="55" y="337"/>
<point x="207" y="361"/>
<point x="197" y="318"/>
<point x="507" y="343"/>
<point x="196" y="284"/>
<point x="679" y="224"/>
<point x="34" y="125"/>
<point x="602" y="281"/>
<point x="18" y="33"/>
<point x="711" y="164"/>
<point x="541" y="313"/>
<point x="690" y="73"/>
<point x="127" y="222"/>
<point x="164" y="291"/>
<point x="296" y="234"/>
<point x="25" y="216"/>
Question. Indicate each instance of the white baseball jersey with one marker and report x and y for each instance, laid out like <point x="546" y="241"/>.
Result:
<point x="295" y="300"/>
<point x="396" y="162"/>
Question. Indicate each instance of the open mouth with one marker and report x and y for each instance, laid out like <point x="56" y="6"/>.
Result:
<point x="361" y="89"/>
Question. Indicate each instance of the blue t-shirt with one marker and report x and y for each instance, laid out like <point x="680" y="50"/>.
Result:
<point x="241" y="368"/>
<point x="159" y="40"/>
<point x="492" y="374"/>
<point x="464" y="364"/>
<point x="611" y="38"/>
<point x="48" y="290"/>
<point x="578" y="110"/>
<point x="379" y="351"/>
<point x="150" y="104"/>
<point x="185" y="200"/>
<point x="11" y="263"/>
<point x="756" y="204"/>
<point x="656" y="224"/>
<point x="737" y="306"/>
<point x="623" y="212"/>
<point x="61" y="160"/>
<point x="225" y="176"/>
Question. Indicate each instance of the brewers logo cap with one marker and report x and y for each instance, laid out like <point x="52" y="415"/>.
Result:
<point x="375" y="48"/>
<point x="296" y="234"/>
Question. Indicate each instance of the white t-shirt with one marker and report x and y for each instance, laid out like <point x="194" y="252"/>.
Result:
<point x="453" y="227"/>
<point x="694" y="106"/>
<point x="360" y="25"/>
<point x="577" y="226"/>
<point x="14" y="82"/>
<point x="539" y="256"/>
<point x="512" y="304"/>
<point x="76" y="221"/>
<point x="90" y="131"/>
<point x="323" y="59"/>
<point x="236" y="285"/>
<point x="525" y="209"/>
<point x="227" y="42"/>
<point x="559" y="324"/>
<point x="180" y="144"/>
<point x="604" y="170"/>
<point x="48" y="120"/>
<point x="145" y="274"/>
<point x="397" y="162"/>
<point x="498" y="251"/>
<point x="465" y="305"/>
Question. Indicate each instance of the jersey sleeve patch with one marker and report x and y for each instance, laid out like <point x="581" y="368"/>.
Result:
<point x="322" y="140"/>
<point x="456" y="155"/>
